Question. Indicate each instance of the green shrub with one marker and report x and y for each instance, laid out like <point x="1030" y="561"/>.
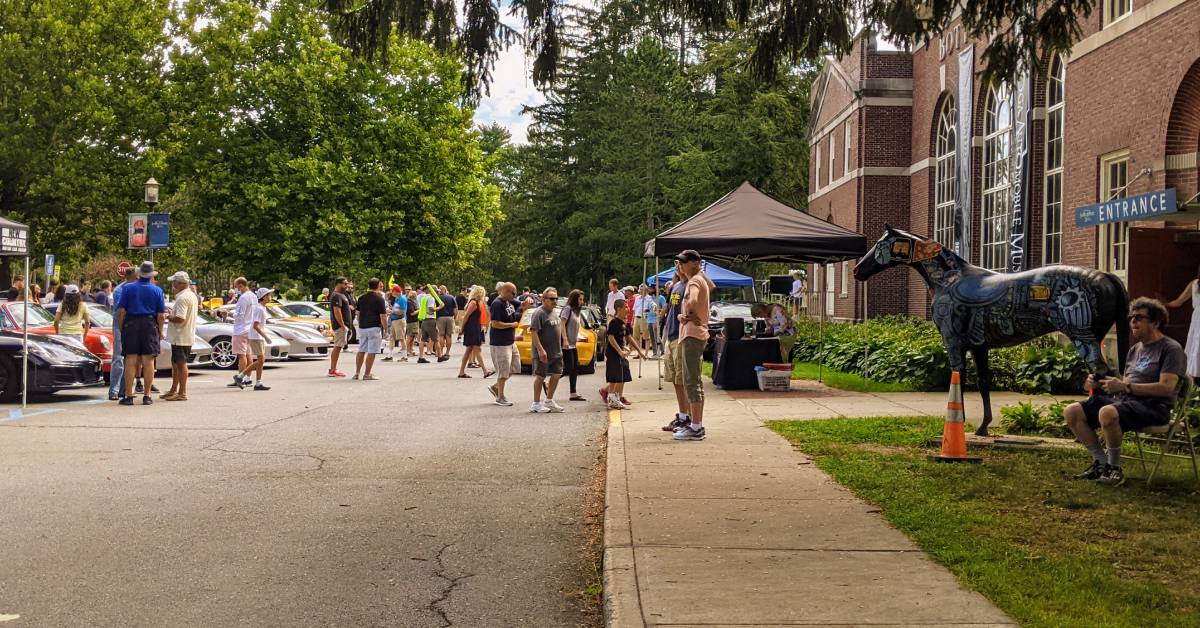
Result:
<point x="908" y="350"/>
<point x="1026" y="418"/>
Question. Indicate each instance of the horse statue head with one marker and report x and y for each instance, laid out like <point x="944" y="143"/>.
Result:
<point x="895" y="247"/>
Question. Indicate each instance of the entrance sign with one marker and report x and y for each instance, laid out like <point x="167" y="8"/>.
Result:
<point x="137" y="230"/>
<point x="1139" y="207"/>
<point x="962" y="218"/>
<point x="14" y="239"/>
<point x="159" y="231"/>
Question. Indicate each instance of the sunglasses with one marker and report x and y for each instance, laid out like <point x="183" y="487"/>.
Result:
<point x="1138" y="317"/>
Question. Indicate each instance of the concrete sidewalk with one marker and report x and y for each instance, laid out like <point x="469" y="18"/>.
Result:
<point x="741" y="529"/>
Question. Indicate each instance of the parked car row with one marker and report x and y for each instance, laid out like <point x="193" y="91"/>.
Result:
<point x="60" y="363"/>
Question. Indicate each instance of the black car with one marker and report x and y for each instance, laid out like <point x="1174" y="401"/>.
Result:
<point x="54" y="364"/>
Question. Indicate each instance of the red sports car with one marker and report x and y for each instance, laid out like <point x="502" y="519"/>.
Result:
<point x="98" y="341"/>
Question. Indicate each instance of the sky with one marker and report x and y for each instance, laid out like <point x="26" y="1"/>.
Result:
<point x="512" y="88"/>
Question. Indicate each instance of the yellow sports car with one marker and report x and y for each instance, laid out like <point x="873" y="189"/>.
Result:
<point x="585" y="344"/>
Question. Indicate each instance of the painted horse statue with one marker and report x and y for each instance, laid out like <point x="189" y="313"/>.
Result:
<point x="977" y="309"/>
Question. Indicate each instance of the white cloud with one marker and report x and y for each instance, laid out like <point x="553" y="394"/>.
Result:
<point x="512" y="88"/>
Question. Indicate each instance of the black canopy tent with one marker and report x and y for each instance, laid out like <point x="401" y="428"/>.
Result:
<point x="14" y="242"/>
<point x="746" y="225"/>
<point x="749" y="226"/>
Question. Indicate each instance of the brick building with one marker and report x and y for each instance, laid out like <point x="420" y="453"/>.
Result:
<point x="1117" y="118"/>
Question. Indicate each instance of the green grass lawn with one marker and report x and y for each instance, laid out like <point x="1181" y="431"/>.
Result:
<point x="835" y="379"/>
<point x="1048" y="550"/>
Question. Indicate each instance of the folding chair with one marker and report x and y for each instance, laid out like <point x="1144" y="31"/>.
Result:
<point x="1175" y="434"/>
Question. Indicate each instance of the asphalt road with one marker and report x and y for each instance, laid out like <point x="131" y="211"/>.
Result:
<point x="410" y="501"/>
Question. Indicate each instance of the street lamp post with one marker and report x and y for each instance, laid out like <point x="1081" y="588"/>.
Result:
<point x="151" y="199"/>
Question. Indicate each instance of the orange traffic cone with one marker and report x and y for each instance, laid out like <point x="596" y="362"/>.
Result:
<point x="954" y="438"/>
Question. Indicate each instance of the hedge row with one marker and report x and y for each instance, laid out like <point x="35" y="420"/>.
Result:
<point x="910" y="350"/>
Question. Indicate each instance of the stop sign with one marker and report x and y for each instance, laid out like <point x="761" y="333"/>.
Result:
<point x="122" y="268"/>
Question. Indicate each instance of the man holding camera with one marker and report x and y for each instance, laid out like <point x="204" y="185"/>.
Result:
<point x="1143" y="397"/>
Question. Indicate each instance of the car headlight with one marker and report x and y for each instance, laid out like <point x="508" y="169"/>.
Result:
<point x="106" y="343"/>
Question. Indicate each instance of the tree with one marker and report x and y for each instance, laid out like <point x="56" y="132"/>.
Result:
<point x="307" y="163"/>
<point x="783" y="31"/>
<point x="79" y="87"/>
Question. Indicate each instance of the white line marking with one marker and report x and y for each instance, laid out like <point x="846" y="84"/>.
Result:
<point x="9" y="617"/>
<point x="16" y="414"/>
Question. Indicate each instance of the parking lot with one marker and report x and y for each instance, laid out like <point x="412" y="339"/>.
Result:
<point x="406" y="501"/>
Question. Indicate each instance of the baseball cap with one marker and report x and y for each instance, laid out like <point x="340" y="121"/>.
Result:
<point x="71" y="289"/>
<point x="688" y="255"/>
<point x="181" y="277"/>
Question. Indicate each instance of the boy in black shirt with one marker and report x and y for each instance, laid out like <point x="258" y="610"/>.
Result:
<point x="616" y="361"/>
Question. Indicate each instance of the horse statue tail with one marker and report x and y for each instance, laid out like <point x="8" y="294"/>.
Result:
<point x="1120" y="311"/>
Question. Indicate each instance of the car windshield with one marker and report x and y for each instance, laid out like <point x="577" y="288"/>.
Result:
<point x="527" y="317"/>
<point x="278" y="312"/>
<point x="38" y="316"/>
<point x="100" y="316"/>
<point x="722" y="311"/>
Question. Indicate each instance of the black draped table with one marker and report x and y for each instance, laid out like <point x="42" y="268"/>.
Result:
<point x="734" y="361"/>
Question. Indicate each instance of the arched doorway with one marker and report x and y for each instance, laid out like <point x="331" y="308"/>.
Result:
<point x="1182" y="150"/>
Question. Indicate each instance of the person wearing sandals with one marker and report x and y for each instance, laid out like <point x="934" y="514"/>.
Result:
<point x="472" y="333"/>
<point x="181" y="329"/>
<point x="570" y="328"/>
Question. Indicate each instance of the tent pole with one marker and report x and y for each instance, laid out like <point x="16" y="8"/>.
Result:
<point x="662" y="339"/>
<point x="25" y="339"/>
<point x="824" y="290"/>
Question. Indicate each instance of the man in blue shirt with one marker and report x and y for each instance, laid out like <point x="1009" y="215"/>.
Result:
<point x="396" y="323"/>
<point x="140" y="307"/>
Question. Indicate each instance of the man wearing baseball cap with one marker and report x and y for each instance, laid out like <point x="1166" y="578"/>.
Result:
<point x="693" y="335"/>
<point x="181" y="329"/>
<point x="140" y="309"/>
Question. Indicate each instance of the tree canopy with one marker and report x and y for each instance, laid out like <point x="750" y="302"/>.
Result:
<point x="781" y="32"/>
<point x="281" y="154"/>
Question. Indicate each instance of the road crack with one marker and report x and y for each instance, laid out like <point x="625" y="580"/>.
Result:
<point x="451" y="584"/>
<point x="216" y="446"/>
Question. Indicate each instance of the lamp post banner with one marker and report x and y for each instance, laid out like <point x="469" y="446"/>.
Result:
<point x="1018" y="225"/>
<point x="159" y="230"/>
<point x="962" y="218"/>
<point x="137" y="230"/>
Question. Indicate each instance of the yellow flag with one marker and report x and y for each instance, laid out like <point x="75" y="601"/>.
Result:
<point x="391" y="281"/>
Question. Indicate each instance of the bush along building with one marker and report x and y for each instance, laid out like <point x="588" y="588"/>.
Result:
<point x="1091" y="162"/>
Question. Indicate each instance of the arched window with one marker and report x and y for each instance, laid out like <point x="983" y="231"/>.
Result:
<point x="945" y="184"/>
<point x="1052" y="223"/>
<point x="997" y="147"/>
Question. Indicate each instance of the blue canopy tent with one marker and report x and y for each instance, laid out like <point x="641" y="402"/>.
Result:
<point x="723" y="277"/>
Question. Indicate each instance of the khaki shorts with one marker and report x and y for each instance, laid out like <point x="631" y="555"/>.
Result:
<point x="672" y="371"/>
<point x="506" y="360"/>
<point x="398" y="328"/>
<point x="691" y="354"/>
<point x="429" y="330"/>
<point x="414" y="327"/>
<point x="258" y="348"/>
<point x="340" y="338"/>
<point x="445" y="326"/>
<point x="641" y="330"/>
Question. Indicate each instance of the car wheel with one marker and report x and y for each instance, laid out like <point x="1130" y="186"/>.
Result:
<point x="222" y="353"/>
<point x="10" y="382"/>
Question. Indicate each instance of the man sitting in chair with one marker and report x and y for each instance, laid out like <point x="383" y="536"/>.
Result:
<point x="1143" y="398"/>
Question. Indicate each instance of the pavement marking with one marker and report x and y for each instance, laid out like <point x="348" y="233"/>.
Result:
<point x="614" y="416"/>
<point x="16" y="414"/>
<point x="91" y="402"/>
<point x="9" y="617"/>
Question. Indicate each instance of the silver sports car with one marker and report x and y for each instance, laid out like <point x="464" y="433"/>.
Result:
<point x="220" y="336"/>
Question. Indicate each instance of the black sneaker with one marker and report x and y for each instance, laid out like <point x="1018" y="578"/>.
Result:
<point x="689" y="433"/>
<point x="261" y="387"/>
<point x="154" y="389"/>
<point x="678" y="423"/>
<point x="443" y="358"/>
<point x="1093" y="472"/>
<point x="388" y="359"/>
<point x="126" y="401"/>
<point x="422" y="361"/>
<point x="1112" y="476"/>
<point x="146" y="401"/>
<point x="137" y="390"/>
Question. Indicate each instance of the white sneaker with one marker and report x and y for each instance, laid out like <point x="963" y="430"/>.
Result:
<point x="501" y="401"/>
<point x="538" y="408"/>
<point x="614" y="402"/>
<point x="553" y="405"/>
